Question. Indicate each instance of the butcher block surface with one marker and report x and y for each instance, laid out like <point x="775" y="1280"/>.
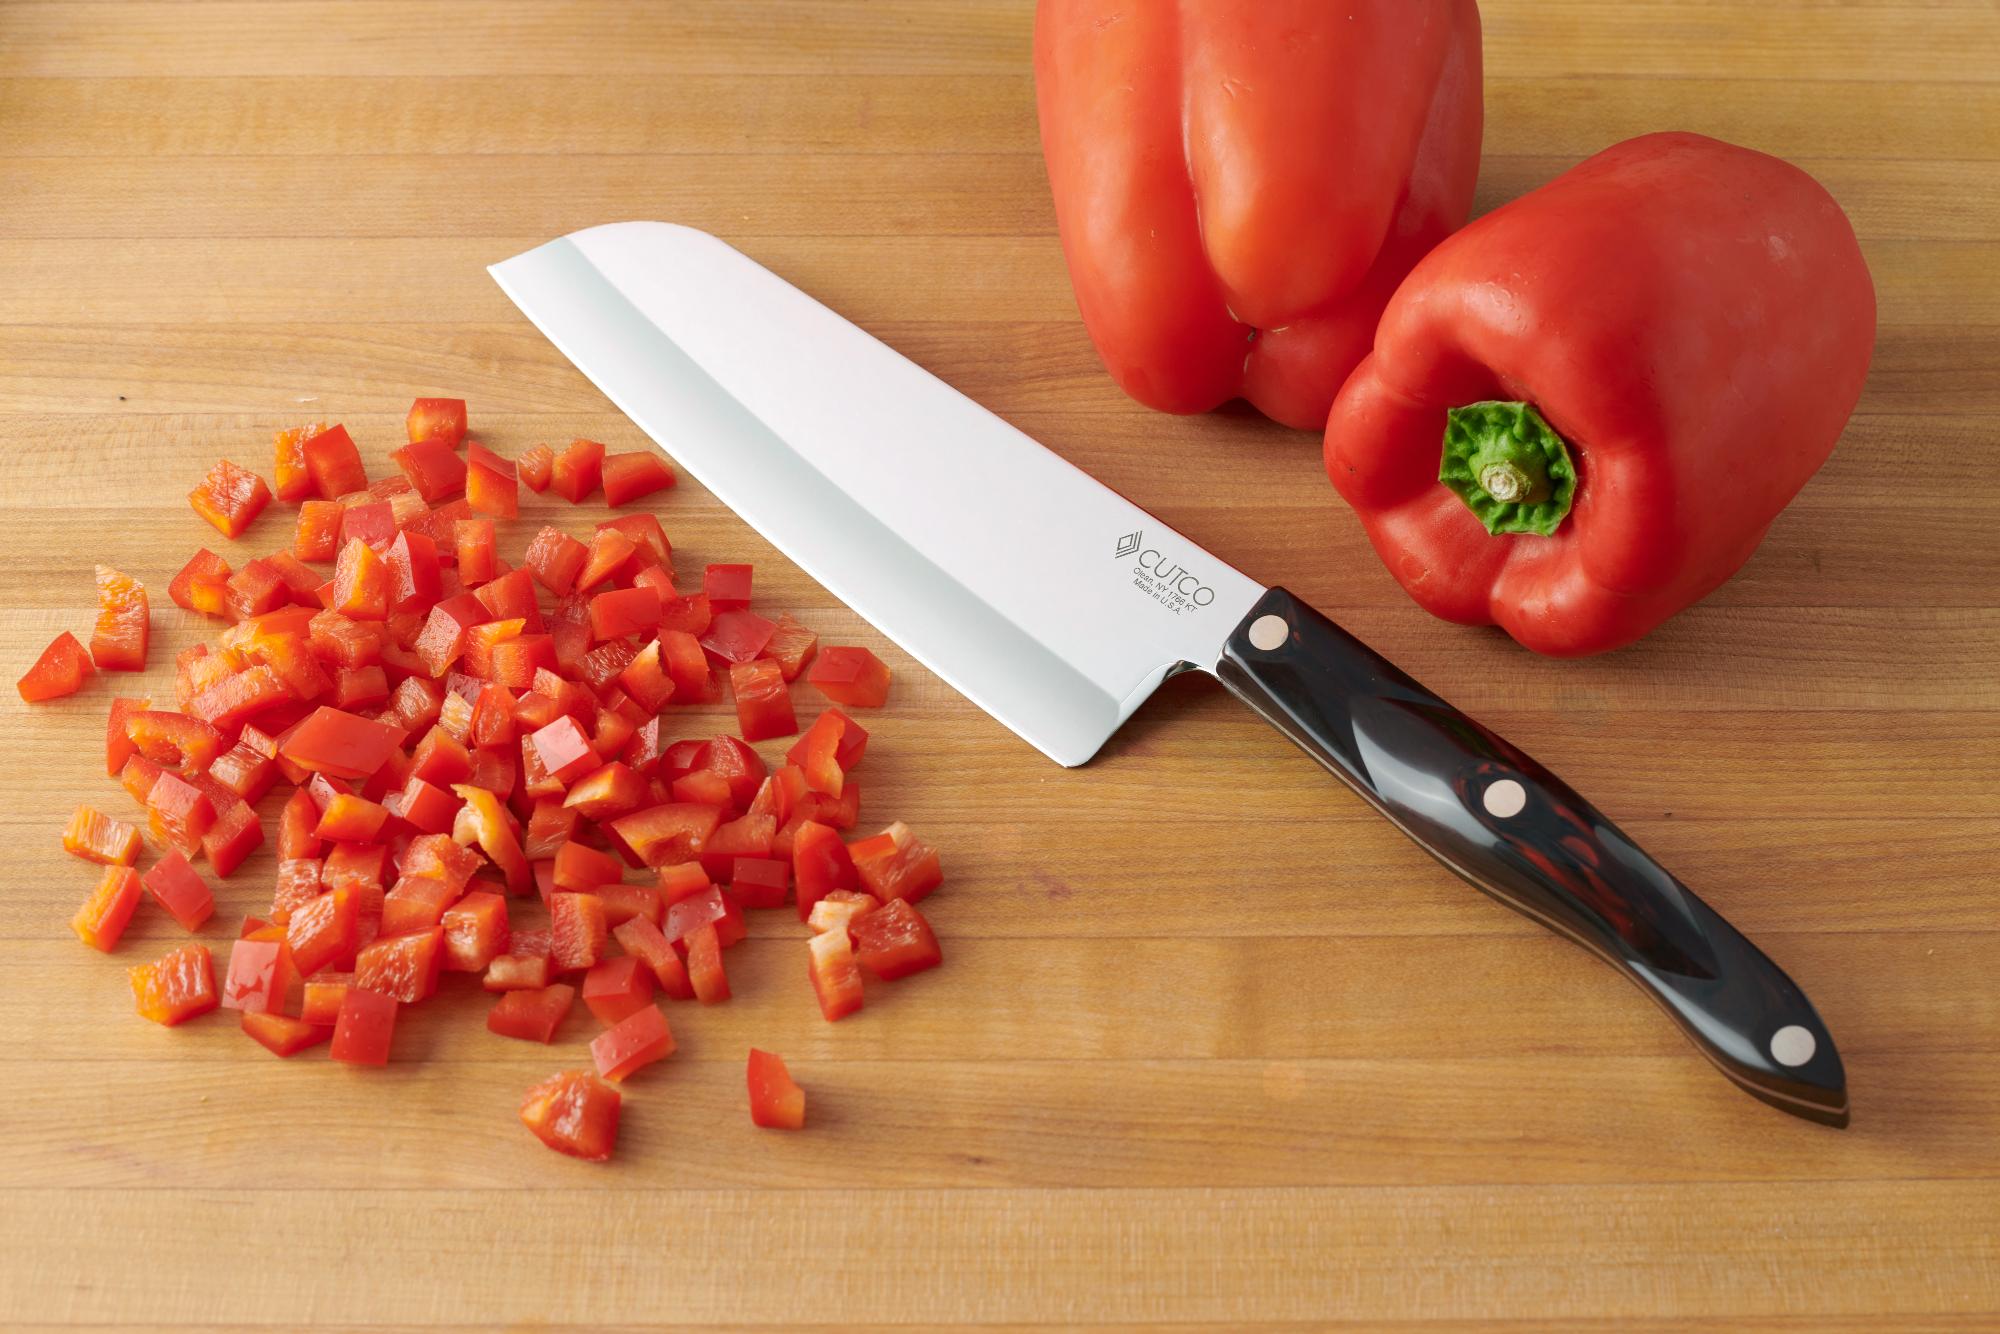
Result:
<point x="1212" y="1045"/>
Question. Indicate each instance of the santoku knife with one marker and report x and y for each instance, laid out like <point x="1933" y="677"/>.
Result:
<point x="1057" y="606"/>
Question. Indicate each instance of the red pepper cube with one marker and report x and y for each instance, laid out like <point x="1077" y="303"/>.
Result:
<point x="607" y="792"/>
<point x="357" y="687"/>
<point x="282" y="1035"/>
<point x="475" y="932"/>
<point x="577" y="931"/>
<point x="372" y="522"/>
<point x="704" y="965"/>
<point x="324" y="931"/>
<point x="615" y="988"/>
<point x="555" y="558"/>
<point x="201" y="584"/>
<point x="687" y="666"/>
<point x="628" y="477"/>
<point x="441" y="420"/>
<point x="412" y="563"/>
<point x="579" y="868"/>
<point x="574" y="1113"/>
<point x="178" y="888"/>
<point x="894" y="940"/>
<point x="610" y="551"/>
<point x="738" y="636"/>
<point x="763" y="703"/>
<point x="188" y="744"/>
<point x="361" y="585"/>
<point x="518" y="972"/>
<point x="642" y="938"/>
<point x="491" y="486"/>
<point x="534" y="466"/>
<point x="532" y="1014"/>
<point x="235" y="834"/>
<point x="624" y="611"/>
<point x="351" y="819"/>
<point x="896" y="864"/>
<point x="760" y="882"/>
<point x="356" y="866"/>
<point x="175" y="987"/>
<point x="565" y="750"/>
<point x="667" y="834"/>
<point x="689" y="615"/>
<point x="289" y="476"/>
<point x="230" y="497"/>
<point x="576" y="470"/>
<point x="791" y="646"/>
<point x="473" y="546"/>
<point x="96" y="837"/>
<point x="817" y="754"/>
<point x="404" y="966"/>
<point x="178" y="814"/>
<point x="417" y="903"/>
<point x="820" y="864"/>
<point x="364" y="1028"/>
<point x="727" y="587"/>
<point x="61" y="670"/>
<point x="776" y="1102"/>
<point x="851" y="676"/>
<point x="341" y="744"/>
<point x="749" y="836"/>
<point x="334" y="464"/>
<point x="261" y="976"/>
<point x="634" y="1042"/>
<point x="104" y="915"/>
<point x="124" y="623"/>
<point x="432" y="467"/>
<point x="836" y="978"/>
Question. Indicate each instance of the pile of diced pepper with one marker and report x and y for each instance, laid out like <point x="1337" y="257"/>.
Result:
<point x="483" y="779"/>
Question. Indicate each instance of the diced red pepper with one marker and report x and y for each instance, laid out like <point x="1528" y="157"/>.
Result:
<point x="475" y="932"/>
<point x="435" y="855"/>
<point x="337" y="638"/>
<point x="290" y="478"/>
<point x="624" y="611"/>
<point x="727" y="587"/>
<point x="816" y="753"/>
<point x="324" y="931"/>
<point x="96" y="837"/>
<point x="176" y="987"/>
<point x="178" y="814"/>
<point x="230" y="497"/>
<point x="178" y="888"/>
<point x="776" y="1102"/>
<point x="851" y="676"/>
<point x="317" y="537"/>
<point x="616" y="988"/>
<point x="365" y="1027"/>
<point x="405" y="966"/>
<point x="481" y="820"/>
<point x="103" y="917"/>
<point x="607" y="792"/>
<point x="610" y="550"/>
<point x="534" y="466"/>
<point x="282" y="1035"/>
<point x="894" y="940"/>
<point x="565" y="750"/>
<point x="473" y="547"/>
<point x="61" y="670"/>
<point x="372" y="522"/>
<point x="341" y="744"/>
<point x="763" y="704"/>
<point x="412" y="563"/>
<point x="634" y="1042"/>
<point x="255" y="589"/>
<point x="490" y="484"/>
<point x="300" y="880"/>
<point x="320" y="1002"/>
<point x="518" y="972"/>
<point x="437" y="419"/>
<point x="688" y="615"/>
<point x="357" y="866"/>
<point x="642" y="938"/>
<point x="417" y="903"/>
<point x="791" y="646"/>
<point x="351" y="819"/>
<point x="577" y="931"/>
<point x="235" y="833"/>
<point x="820" y="865"/>
<point x="759" y="882"/>
<point x="748" y="836"/>
<point x="576" y="470"/>
<point x="414" y="705"/>
<point x="295" y="827"/>
<point x="201" y="584"/>
<point x="357" y="687"/>
<point x="628" y="477"/>
<point x="556" y="559"/>
<point x="664" y="835"/>
<point x="836" y="978"/>
<point x="124" y="622"/>
<point x="580" y="869"/>
<point x="261" y="976"/>
<point x="532" y="1014"/>
<point x="361" y="583"/>
<point x="704" y="965"/>
<point x="432" y="466"/>
<point x="574" y="1113"/>
<point x="333" y="463"/>
<point x="896" y="864"/>
<point x="738" y="635"/>
<point x="646" y="681"/>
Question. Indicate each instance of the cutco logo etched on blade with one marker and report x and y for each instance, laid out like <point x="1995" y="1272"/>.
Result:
<point x="1166" y="582"/>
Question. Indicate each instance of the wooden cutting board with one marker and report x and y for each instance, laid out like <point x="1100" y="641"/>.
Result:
<point x="1212" y="1044"/>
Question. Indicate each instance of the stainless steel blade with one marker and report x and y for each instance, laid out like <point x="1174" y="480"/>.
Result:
<point x="1045" y="597"/>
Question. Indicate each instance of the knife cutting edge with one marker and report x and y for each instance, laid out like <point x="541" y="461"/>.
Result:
<point x="1058" y="606"/>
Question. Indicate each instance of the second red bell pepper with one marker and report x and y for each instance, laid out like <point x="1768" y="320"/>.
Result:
<point x="1584" y="410"/>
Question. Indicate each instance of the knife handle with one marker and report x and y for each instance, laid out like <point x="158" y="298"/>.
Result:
<point x="1514" y="830"/>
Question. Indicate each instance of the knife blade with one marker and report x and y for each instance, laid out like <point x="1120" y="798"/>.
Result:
<point x="1058" y="606"/>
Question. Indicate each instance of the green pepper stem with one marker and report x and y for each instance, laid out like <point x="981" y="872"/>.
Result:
<point x="1509" y="467"/>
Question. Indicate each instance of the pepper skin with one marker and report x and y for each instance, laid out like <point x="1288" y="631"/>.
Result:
<point x="1692" y="319"/>
<point x="1240" y="184"/>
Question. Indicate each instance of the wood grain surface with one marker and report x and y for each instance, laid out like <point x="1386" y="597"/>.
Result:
<point x="1213" y="1046"/>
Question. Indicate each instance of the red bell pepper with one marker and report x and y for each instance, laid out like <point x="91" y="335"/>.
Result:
<point x="635" y="1041"/>
<point x="627" y="477"/>
<point x="616" y="988"/>
<point x="835" y="976"/>
<point x="776" y="1102"/>
<point x="333" y="463"/>
<point x="894" y="940"/>
<point x="61" y="670"/>
<point x="532" y="1014"/>
<point x="727" y="587"/>
<point x="1239" y="186"/>
<point x="491" y="486"/>
<point x="576" y="470"/>
<point x="175" y="987"/>
<point x="534" y="466"/>
<point x="365" y="1027"/>
<point x="96" y="837"/>
<point x="289" y="475"/>
<point x="896" y="864"/>
<point x="791" y="646"/>
<point x="577" y="931"/>
<point x="124" y="623"/>
<point x="282" y="1035"/>
<point x="202" y="584"/>
<point x="103" y="917"/>
<point x="178" y="888"/>
<point x="432" y="467"/>
<point x="763" y="704"/>
<point x="574" y="1113"/>
<point x="852" y="676"/>
<point x="704" y="965"/>
<point x="1584" y="410"/>
<point x="405" y="967"/>
<point x="439" y="419"/>
<point x="230" y="497"/>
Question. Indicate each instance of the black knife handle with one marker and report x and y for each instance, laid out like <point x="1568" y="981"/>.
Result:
<point x="1513" y="829"/>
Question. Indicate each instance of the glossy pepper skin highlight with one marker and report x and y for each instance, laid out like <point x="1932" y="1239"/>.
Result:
<point x="1584" y="410"/>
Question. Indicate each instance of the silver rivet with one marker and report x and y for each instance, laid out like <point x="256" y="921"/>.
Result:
<point x="1792" y="1045"/>
<point x="1505" y="799"/>
<point x="1268" y="632"/>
